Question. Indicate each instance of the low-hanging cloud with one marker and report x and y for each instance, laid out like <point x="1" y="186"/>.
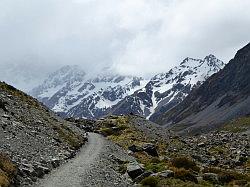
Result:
<point x="138" y="37"/>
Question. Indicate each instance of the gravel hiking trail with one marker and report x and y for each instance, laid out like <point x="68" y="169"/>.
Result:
<point x="92" y="166"/>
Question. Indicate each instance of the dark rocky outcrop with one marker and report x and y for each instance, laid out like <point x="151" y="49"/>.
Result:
<point x="150" y="149"/>
<point x="134" y="170"/>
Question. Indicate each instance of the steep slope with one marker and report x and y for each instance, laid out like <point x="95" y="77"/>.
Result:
<point x="166" y="90"/>
<point x="222" y="97"/>
<point x="70" y="92"/>
<point x="32" y="136"/>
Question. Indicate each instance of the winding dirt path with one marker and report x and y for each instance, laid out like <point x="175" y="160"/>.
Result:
<point x="71" y="173"/>
<point x="94" y="166"/>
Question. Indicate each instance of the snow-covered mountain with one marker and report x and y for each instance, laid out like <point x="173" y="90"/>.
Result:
<point x="166" y="90"/>
<point x="71" y="92"/>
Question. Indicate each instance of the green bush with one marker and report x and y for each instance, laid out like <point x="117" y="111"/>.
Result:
<point x="150" y="181"/>
<point x="7" y="170"/>
<point x="185" y="175"/>
<point x="155" y="160"/>
<point x="155" y="167"/>
<point x="226" y="176"/>
<point x="172" y="182"/>
<point x="184" y="162"/>
<point x="122" y="127"/>
<point x="68" y="136"/>
<point x="122" y="168"/>
<point x="106" y="131"/>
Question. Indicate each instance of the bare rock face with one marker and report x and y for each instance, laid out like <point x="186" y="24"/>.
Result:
<point x="150" y="149"/>
<point x="134" y="170"/>
<point x="221" y="97"/>
<point x="32" y="136"/>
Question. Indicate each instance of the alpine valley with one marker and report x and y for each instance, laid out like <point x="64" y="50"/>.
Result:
<point x="200" y="136"/>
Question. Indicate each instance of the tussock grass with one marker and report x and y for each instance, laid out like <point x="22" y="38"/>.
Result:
<point x="7" y="170"/>
<point x="237" y="125"/>
<point x="19" y="94"/>
<point x="184" y="162"/>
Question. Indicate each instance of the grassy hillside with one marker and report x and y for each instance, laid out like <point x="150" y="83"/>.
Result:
<point x="238" y="125"/>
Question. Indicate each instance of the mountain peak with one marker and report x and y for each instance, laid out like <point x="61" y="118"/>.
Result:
<point x="212" y="61"/>
<point x="187" y="61"/>
<point x="66" y="74"/>
<point x="210" y="56"/>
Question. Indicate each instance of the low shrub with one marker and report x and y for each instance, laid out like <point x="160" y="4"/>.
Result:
<point x="105" y="131"/>
<point x="155" y="160"/>
<point x="6" y="165"/>
<point x="4" y="180"/>
<point x="122" y="168"/>
<point x="226" y="176"/>
<point x="150" y="181"/>
<point x="68" y="136"/>
<point x="211" y="170"/>
<point x="122" y="120"/>
<point x="185" y="175"/>
<point x="122" y="127"/>
<point x="172" y="182"/>
<point x="7" y="170"/>
<point x="155" y="167"/>
<point x="184" y="162"/>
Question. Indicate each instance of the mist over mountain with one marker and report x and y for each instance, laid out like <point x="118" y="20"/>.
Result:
<point x="140" y="38"/>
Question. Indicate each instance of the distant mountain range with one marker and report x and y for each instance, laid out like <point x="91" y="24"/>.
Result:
<point x="72" y="93"/>
<point x="222" y="97"/>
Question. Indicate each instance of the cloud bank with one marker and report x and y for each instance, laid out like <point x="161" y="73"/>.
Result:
<point x="138" y="37"/>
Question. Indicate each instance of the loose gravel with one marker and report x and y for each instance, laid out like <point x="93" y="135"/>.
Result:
<point x="95" y="165"/>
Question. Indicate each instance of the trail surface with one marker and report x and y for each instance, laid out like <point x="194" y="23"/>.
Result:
<point x="93" y="166"/>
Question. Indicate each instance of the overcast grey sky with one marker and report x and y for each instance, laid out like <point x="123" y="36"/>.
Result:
<point x="139" y="37"/>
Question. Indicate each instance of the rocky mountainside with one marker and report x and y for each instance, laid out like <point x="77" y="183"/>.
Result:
<point x="223" y="96"/>
<point x="70" y="92"/>
<point x="32" y="137"/>
<point x="166" y="90"/>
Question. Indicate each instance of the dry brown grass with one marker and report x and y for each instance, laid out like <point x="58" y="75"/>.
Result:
<point x="183" y="174"/>
<point x="7" y="170"/>
<point x="4" y="180"/>
<point x="184" y="162"/>
<point x="19" y="94"/>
